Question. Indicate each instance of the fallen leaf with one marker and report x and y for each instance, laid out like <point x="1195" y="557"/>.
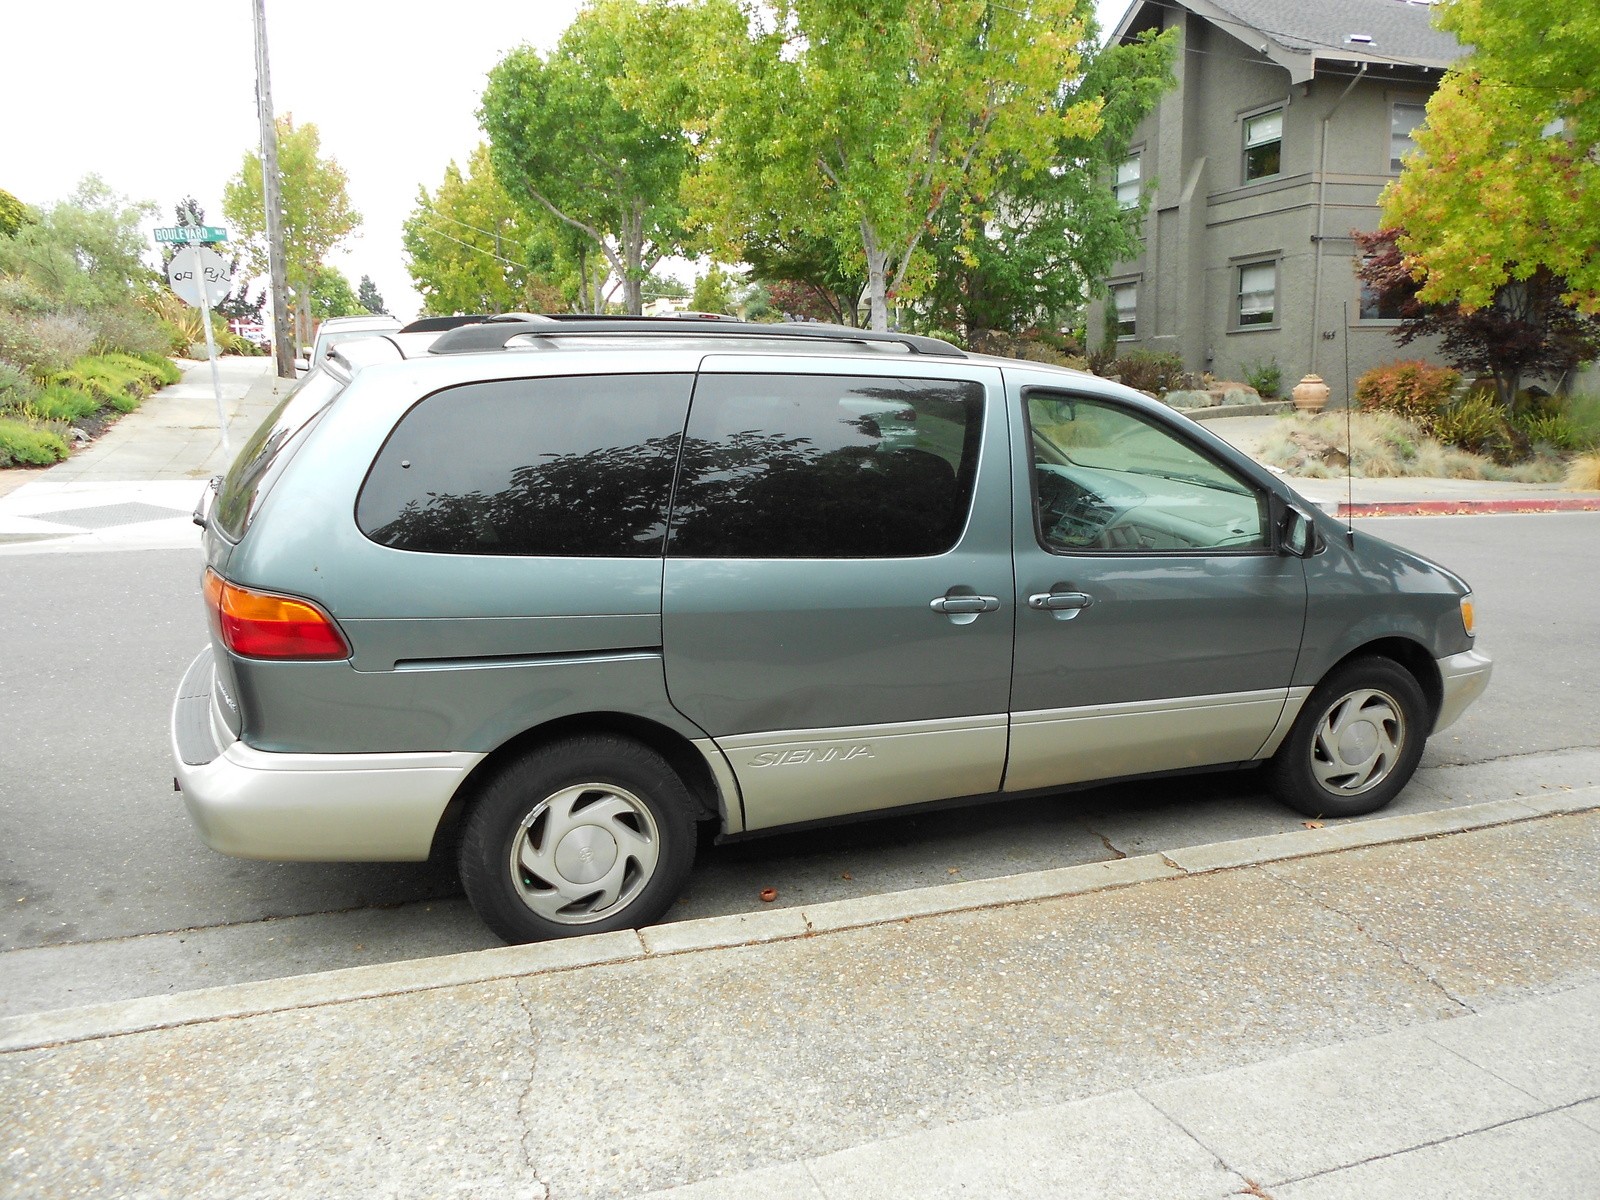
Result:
<point x="768" y="895"/>
<point x="953" y="871"/>
<point x="847" y="875"/>
<point x="1312" y="824"/>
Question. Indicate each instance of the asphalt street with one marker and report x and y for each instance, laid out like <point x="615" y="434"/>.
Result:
<point x="109" y="894"/>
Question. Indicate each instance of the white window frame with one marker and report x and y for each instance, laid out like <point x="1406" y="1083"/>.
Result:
<point x="1239" y="294"/>
<point x="1246" y="121"/>
<point x="1404" y="142"/>
<point x="1123" y="179"/>
<point x="1130" y="288"/>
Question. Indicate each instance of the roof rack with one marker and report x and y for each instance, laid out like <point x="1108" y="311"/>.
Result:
<point x="494" y="334"/>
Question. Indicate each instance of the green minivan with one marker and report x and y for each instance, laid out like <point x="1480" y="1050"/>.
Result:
<point x="551" y="594"/>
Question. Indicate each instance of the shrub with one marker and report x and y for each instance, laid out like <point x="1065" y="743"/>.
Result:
<point x="61" y="403"/>
<point x="22" y="443"/>
<point x="166" y="370"/>
<point x="128" y="330"/>
<point x="1584" y="473"/>
<point x="1265" y="377"/>
<point x="109" y="379"/>
<point x="1414" y="390"/>
<point x="1478" y="424"/>
<point x="16" y="389"/>
<point x="1148" y="371"/>
<point x="1556" y="430"/>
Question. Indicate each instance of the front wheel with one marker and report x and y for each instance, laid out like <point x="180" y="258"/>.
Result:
<point x="581" y="836"/>
<point x="1355" y="744"/>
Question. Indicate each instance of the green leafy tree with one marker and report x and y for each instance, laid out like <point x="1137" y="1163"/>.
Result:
<point x="470" y="248"/>
<point x="1037" y="251"/>
<point x="1528" y="328"/>
<point x="370" y="298"/>
<point x="563" y="141"/>
<point x="1506" y="179"/>
<point x="317" y="215"/>
<point x="13" y="214"/>
<point x="332" y="296"/>
<point x="85" y="252"/>
<point x="865" y="120"/>
<point x="807" y="276"/>
<point x="714" y="292"/>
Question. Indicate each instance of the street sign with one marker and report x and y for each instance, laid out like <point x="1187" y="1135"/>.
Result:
<point x="191" y="233"/>
<point x="194" y="265"/>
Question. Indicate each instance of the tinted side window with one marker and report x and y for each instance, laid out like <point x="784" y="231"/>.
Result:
<point x="568" y="466"/>
<point x="268" y="451"/>
<point x="802" y="466"/>
<point x="1105" y="478"/>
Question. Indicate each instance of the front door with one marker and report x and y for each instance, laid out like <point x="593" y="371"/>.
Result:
<point x="1157" y="624"/>
<point x="837" y="603"/>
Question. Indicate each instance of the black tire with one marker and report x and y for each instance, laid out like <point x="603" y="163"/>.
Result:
<point x="1356" y="742"/>
<point x="585" y="835"/>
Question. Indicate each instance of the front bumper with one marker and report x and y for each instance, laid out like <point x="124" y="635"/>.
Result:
<point x="304" y="807"/>
<point x="1464" y="676"/>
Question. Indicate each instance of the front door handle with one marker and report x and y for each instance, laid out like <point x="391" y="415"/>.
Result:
<point x="953" y="605"/>
<point x="1062" y="605"/>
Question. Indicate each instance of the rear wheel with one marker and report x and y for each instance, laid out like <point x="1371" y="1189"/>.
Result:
<point x="585" y="835"/>
<point x="1356" y="743"/>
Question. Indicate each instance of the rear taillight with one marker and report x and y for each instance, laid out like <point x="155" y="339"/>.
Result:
<point x="261" y="625"/>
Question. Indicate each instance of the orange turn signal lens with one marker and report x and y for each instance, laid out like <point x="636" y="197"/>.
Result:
<point x="1466" y="614"/>
<point x="264" y="625"/>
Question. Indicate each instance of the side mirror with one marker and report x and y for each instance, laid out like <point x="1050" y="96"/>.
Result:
<point x="1297" y="530"/>
<point x="302" y="363"/>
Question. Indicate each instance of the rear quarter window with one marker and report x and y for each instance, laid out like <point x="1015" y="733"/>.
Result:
<point x="269" y="450"/>
<point x="566" y="466"/>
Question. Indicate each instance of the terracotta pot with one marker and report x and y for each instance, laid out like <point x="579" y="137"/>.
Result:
<point x="1310" y="394"/>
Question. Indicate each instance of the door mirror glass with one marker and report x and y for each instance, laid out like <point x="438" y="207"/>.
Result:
<point x="1298" y="533"/>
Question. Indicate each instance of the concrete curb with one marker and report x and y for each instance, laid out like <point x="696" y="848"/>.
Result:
<point x="35" y="1031"/>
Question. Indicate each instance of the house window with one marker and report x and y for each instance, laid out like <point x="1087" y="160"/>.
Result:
<point x="1258" y="294"/>
<point x="1128" y="179"/>
<point x="1126" y="298"/>
<point x="1371" y="308"/>
<point x="1263" y="145"/>
<point x="1404" y="121"/>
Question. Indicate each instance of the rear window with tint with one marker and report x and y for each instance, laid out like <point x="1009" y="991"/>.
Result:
<point x="562" y="467"/>
<point x="818" y="466"/>
<point x="269" y="450"/>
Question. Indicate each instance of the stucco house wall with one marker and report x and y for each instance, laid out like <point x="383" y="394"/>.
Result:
<point x="1206" y="221"/>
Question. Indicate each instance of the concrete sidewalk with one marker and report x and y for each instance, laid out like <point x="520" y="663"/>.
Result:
<point x="1400" y="1007"/>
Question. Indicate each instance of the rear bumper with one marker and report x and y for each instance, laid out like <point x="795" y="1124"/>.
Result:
<point x="1464" y="677"/>
<point x="305" y="807"/>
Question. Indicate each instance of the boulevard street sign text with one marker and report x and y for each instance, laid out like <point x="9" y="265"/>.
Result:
<point x="191" y="233"/>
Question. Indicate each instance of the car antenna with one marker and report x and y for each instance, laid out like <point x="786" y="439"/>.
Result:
<point x="1349" y="441"/>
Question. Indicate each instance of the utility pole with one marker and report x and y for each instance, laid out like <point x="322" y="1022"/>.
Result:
<point x="282" y="338"/>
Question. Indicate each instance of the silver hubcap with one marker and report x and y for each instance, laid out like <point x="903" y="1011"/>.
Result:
<point x="1358" y="743"/>
<point x="584" y="852"/>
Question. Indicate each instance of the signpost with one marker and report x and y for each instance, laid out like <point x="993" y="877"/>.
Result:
<point x="201" y="277"/>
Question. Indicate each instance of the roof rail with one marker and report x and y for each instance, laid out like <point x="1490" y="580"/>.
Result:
<point x="494" y="334"/>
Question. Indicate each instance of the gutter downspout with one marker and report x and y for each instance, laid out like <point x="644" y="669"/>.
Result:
<point x="1322" y="202"/>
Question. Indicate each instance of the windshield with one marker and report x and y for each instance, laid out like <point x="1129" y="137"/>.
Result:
<point x="267" y="452"/>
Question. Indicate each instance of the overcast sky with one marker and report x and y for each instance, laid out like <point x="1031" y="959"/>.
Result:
<point x="158" y="98"/>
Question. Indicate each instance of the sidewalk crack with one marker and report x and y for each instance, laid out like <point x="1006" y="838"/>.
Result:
<point x="1393" y="947"/>
<point x="525" y="1104"/>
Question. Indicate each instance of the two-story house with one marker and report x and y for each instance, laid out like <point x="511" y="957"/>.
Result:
<point x="1288" y="119"/>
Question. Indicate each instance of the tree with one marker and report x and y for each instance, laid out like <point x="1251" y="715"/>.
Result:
<point x="471" y="249"/>
<point x="237" y="303"/>
<point x="807" y="276"/>
<point x="317" y="215"/>
<point x="713" y="292"/>
<point x="864" y="120"/>
<point x="85" y="252"/>
<point x="1036" y="253"/>
<point x="13" y="214"/>
<point x="1506" y="179"/>
<point x="370" y="298"/>
<point x="331" y="295"/>
<point x="562" y="141"/>
<point x="1528" y="328"/>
